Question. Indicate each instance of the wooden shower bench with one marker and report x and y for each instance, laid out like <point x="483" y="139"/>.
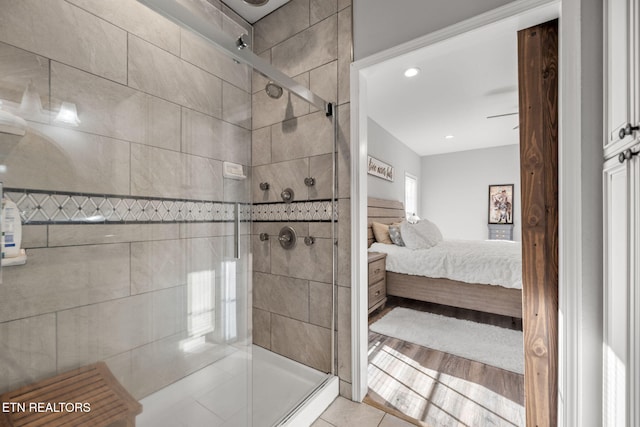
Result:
<point x="87" y="396"/>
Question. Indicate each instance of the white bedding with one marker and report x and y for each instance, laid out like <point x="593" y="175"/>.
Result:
<point x="491" y="262"/>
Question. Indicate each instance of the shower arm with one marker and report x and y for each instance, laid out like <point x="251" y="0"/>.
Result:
<point x="181" y="13"/>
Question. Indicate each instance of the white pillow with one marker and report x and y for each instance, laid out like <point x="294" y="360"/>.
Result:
<point x="422" y="235"/>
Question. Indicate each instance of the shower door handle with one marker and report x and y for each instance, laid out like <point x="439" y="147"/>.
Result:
<point x="236" y="232"/>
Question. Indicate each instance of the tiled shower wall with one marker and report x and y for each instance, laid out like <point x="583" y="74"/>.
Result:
<point x="160" y="110"/>
<point x="310" y="40"/>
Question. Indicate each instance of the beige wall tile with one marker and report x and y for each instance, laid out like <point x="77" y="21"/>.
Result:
<point x="262" y="328"/>
<point x="344" y="150"/>
<point x="344" y="333"/>
<point x="138" y="19"/>
<point x="320" y="303"/>
<point x="321" y="169"/>
<point x="308" y="49"/>
<point x="343" y="3"/>
<point x="206" y="229"/>
<point x="267" y="111"/>
<point x="261" y="146"/>
<point x="282" y="175"/>
<point x="65" y="33"/>
<point x="320" y="229"/>
<point x="321" y="9"/>
<point x="323" y="81"/>
<point x="28" y="349"/>
<point x="34" y="236"/>
<point x="91" y="234"/>
<point x="346" y="389"/>
<point x="60" y="278"/>
<point x="345" y="54"/>
<point x="162" y="173"/>
<point x="210" y="137"/>
<point x="55" y="158"/>
<point x="261" y="254"/>
<point x="162" y="74"/>
<point x="19" y="67"/>
<point x="283" y="23"/>
<point x="303" y="342"/>
<point x="283" y="295"/>
<point x="202" y="53"/>
<point x="303" y="262"/>
<point x="110" y="109"/>
<point x="273" y="228"/>
<point x="236" y="105"/>
<point x="310" y="135"/>
<point x="157" y="265"/>
<point x="91" y="333"/>
<point x="344" y="242"/>
<point x="258" y="81"/>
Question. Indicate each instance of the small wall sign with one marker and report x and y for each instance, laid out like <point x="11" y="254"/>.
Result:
<point x="379" y="168"/>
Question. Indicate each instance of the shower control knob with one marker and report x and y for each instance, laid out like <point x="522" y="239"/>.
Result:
<point x="264" y="237"/>
<point x="309" y="240"/>
<point x="287" y="195"/>
<point x="309" y="181"/>
<point x="287" y="237"/>
<point x="264" y="186"/>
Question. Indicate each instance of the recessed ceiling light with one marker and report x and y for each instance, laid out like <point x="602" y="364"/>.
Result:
<point x="449" y="137"/>
<point x="411" y="72"/>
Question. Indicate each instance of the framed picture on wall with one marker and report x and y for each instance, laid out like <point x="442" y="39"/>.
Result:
<point x="501" y="204"/>
<point x="379" y="168"/>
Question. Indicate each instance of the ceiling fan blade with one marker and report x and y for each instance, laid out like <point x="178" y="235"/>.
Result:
<point x="502" y="115"/>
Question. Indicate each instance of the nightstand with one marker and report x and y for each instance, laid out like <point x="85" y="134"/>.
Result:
<point x="500" y="231"/>
<point x="377" y="280"/>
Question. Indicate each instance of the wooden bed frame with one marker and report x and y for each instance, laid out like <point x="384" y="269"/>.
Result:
<point x="479" y="297"/>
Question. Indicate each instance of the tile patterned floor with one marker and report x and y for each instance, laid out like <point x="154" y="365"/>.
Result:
<point x="345" y="413"/>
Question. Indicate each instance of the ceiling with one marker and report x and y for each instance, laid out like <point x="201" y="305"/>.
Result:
<point x="462" y="81"/>
<point x="254" y="13"/>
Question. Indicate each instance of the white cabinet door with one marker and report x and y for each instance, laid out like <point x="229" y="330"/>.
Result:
<point x="621" y="73"/>
<point x="616" y="293"/>
<point x="621" y="295"/>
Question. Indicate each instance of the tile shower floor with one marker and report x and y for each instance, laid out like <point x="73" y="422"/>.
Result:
<point x="218" y="395"/>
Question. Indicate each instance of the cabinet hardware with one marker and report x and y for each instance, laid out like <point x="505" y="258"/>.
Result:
<point x="627" y="130"/>
<point x="377" y="293"/>
<point x="377" y="271"/>
<point x="626" y="155"/>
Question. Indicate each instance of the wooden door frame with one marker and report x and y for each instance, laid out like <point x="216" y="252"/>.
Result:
<point x="573" y="368"/>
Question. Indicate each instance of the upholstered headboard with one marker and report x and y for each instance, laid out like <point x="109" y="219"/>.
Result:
<point x="383" y="211"/>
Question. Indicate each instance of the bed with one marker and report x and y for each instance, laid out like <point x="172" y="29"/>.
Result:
<point x="500" y="294"/>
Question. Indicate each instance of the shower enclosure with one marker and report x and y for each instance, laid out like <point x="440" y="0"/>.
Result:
<point x="152" y="231"/>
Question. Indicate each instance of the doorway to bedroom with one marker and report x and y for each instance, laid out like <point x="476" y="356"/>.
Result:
<point x="447" y="350"/>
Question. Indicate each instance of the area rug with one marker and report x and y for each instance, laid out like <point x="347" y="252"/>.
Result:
<point x="491" y="345"/>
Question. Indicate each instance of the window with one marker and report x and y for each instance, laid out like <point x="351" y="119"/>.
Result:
<point x="410" y="194"/>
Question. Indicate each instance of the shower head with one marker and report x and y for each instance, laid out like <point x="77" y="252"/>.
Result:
<point x="256" y="2"/>
<point x="273" y="90"/>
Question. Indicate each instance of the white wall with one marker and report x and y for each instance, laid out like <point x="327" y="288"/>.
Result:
<point x="455" y="189"/>
<point x="384" y="146"/>
<point x="381" y="24"/>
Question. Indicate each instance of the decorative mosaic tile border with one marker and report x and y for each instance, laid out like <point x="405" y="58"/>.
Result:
<point x="45" y="207"/>
<point x="42" y="207"/>
<point x="319" y="210"/>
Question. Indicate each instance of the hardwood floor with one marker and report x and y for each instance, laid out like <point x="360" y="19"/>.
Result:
<point x="433" y="388"/>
